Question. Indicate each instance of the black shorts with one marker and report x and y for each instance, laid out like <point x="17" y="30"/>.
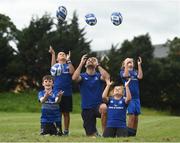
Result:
<point x="89" y="120"/>
<point x="115" y="132"/>
<point x="66" y="104"/>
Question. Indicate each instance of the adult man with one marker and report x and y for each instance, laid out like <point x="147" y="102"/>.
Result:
<point x="91" y="88"/>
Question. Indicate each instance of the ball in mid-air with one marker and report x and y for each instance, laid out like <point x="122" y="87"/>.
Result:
<point x="116" y="18"/>
<point x="56" y="69"/>
<point x="61" y="14"/>
<point x="90" y="19"/>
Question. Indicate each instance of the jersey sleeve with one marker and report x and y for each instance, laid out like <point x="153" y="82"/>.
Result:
<point x="40" y="94"/>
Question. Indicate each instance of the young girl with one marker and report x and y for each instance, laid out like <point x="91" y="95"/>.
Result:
<point x="116" y="110"/>
<point x="128" y="71"/>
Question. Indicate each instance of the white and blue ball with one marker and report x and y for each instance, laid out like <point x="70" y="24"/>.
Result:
<point x="61" y="14"/>
<point x="56" y="69"/>
<point x="90" y="19"/>
<point x="116" y="18"/>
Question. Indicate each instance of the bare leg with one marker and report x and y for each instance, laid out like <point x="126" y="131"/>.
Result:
<point x="66" y="116"/>
<point x="131" y="119"/>
<point x="103" y="112"/>
<point x="135" y="126"/>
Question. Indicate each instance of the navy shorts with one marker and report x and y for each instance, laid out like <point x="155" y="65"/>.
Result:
<point x="134" y="107"/>
<point x="89" y="120"/>
<point x="115" y="132"/>
<point x="66" y="104"/>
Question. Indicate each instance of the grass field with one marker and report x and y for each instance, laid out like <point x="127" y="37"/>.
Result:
<point x="20" y="116"/>
<point x="25" y="127"/>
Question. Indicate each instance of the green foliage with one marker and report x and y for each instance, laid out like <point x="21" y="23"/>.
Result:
<point x="34" y="42"/>
<point x="28" y="102"/>
<point x="8" y="33"/>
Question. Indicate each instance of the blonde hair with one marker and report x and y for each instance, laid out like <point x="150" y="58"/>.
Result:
<point x="122" y="64"/>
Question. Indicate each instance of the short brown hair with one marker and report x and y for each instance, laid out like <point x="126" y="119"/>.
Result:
<point x="47" y="77"/>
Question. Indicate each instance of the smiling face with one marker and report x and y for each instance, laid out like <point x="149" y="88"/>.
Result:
<point x="91" y="62"/>
<point x="118" y="91"/>
<point x="47" y="82"/>
<point x="61" y="56"/>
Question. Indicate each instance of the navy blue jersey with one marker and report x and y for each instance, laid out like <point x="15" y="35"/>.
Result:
<point x="116" y="113"/>
<point x="50" y="110"/>
<point x="63" y="81"/>
<point x="133" y="85"/>
<point x="91" y="89"/>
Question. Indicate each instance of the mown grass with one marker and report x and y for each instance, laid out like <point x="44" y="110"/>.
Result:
<point x="23" y="127"/>
<point x="20" y="116"/>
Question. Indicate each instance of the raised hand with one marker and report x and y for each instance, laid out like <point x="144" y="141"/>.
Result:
<point x="83" y="59"/>
<point x="108" y="82"/>
<point x="68" y="56"/>
<point x="48" y="93"/>
<point x="60" y="93"/>
<point x="51" y="50"/>
<point x="139" y="61"/>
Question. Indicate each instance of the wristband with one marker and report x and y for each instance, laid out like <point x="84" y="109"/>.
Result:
<point x="68" y="62"/>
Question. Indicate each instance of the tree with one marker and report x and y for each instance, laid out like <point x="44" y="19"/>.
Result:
<point x="170" y="76"/>
<point x="33" y="49"/>
<point x="34" y="42"/>
<point x="7" y="53"/>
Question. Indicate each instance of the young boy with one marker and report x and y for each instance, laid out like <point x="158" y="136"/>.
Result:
<point x="116" y="110"/>
<point x="128" y="71"/>
<point x="63" y="81"/>
<point x="50" y="119"/>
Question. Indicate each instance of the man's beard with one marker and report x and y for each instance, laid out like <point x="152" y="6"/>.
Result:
<point x="90" y="66"/>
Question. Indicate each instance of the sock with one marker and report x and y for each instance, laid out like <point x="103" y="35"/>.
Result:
<point x="132" y="132"/>
<point x="66" y="132"/>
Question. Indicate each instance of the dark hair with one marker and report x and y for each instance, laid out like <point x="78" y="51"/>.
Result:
<point x="47" y="77"/>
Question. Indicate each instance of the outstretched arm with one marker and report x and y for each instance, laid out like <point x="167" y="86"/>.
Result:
<point x="126" y="71"/>
<point x="140" y="72"/>
<point x="104" y="74"/>
<point x="53" y="56"/>
<point x="128" y="93"/>
<point x="68" y="61"/>
<point x="76" y="76"/>
<point x="106" y="91"/>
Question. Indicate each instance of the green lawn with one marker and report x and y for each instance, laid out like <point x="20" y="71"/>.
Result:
<point x="25" y="127"/>
<point x="20" y="116"/>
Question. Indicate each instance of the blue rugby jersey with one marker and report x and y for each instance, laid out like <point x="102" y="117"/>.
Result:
<point x="133" y="85"/>
<point x="116" y="113"/>
<point x="63" y="81"/>
<point x="50" y="110"/>
<point x="91" y="89"/>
